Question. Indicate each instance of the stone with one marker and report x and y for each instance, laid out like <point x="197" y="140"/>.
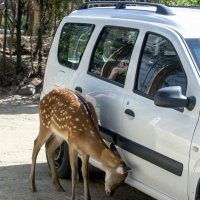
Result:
<point x="27" y="90"/>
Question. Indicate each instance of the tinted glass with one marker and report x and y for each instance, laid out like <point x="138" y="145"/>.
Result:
<point x="159" y="66"/>
<point x="194" y="46"/>
<point x="112" y="53"/>
<point x="72" y="43"/>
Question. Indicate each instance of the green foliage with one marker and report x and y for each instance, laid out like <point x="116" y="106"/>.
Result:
<point x="62" y="7"/>
<point x="181" y="2"/>
<point x="72" y="43"/>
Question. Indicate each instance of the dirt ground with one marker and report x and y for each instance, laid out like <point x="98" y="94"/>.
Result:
<point x="18" y="129"/>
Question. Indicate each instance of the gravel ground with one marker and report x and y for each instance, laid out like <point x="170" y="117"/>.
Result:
<point x="18" y="129"/>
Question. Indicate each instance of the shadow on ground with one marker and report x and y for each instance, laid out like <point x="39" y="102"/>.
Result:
<point x="14" y="185"/>
<point x="10" y="109"/>
<point x="14" y="106"/>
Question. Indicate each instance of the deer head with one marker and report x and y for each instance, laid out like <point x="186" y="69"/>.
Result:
<point x="115" y="177"/>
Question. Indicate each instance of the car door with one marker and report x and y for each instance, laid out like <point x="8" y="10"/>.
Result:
<point x="156" y="141"/>
<point x="113" y="49"/>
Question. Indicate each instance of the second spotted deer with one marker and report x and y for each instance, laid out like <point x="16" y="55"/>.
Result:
<point x="66" y="116"/>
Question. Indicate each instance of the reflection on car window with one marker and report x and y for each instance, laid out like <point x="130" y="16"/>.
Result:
<point x="194" y="46"/>
<point x="72" y="43"/>
<point x="113" y="52"/>
<point x="159" y="66"/>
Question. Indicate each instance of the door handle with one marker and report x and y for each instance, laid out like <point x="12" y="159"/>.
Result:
<point x="78" y="89"/>
<point x="129" y="112"/>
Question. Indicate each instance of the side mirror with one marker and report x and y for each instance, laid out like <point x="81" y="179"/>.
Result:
<point x="172" y="97"/>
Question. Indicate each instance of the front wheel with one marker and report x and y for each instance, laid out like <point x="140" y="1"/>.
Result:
<point x="62" y="163"/>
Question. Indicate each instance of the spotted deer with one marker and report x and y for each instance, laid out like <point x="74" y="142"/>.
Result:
<point x="66" y="116"/>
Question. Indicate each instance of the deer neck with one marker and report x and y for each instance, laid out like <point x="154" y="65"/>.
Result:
<point x="97" y="147"/>
<point x="105" y="158"/>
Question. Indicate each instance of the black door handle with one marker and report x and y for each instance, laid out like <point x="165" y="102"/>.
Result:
<point x="78" y="89"/>
<point x="129" y="112"/>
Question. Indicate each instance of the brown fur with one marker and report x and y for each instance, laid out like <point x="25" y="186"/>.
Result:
<point x="63" y="116"/>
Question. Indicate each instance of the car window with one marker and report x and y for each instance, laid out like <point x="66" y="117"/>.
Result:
<point x="194" y="46"/>
<point x="159" y="66"/>
<point x="112" y="53"/>
<point x="72" y="43"/>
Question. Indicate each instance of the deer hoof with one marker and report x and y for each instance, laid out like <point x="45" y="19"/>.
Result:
<point x="33" y="188"/>
<point x="59" y="188"/>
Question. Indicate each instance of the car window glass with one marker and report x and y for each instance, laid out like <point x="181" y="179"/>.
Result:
<point x="112" y="53"/>
<point x="72" y="43"/>
<point x="194" y="46"/>
<point x="159" y="66"/>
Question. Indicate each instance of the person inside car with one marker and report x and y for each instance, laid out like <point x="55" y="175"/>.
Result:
<point x="121" y="68"/>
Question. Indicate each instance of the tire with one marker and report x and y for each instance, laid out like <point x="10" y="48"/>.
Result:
<point x="62" y="163"/>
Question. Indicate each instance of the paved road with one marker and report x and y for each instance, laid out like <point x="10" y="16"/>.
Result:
<point x="18" y="129"/>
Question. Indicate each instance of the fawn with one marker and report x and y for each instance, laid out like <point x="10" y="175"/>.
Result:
<point x="67" y="116"/>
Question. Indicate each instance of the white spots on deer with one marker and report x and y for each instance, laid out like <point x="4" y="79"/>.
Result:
<point x="60" y="104"/>
<point x="71" y="123"/>
<point x="47" y="116"/>
<point x="73" y="103"/>
<point x="86" y="111"/>
<point x="55" y="122"/>
<point x="63" y="110"/>
<point x="43" y="112"/>
<point x="92" y="133"/>
<point x="54" y="110"/>
<point x="45" y="123"/>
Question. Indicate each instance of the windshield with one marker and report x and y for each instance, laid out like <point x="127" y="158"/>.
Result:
<point x="194" y="46"/>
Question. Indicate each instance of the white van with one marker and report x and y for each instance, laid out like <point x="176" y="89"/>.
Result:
<point x="139" y="64"/>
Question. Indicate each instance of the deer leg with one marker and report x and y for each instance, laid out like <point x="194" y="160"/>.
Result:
<point x="51" y="145"/>
<point x="85" y="160"/>
<point x="42" y="137"/>
<point x="73" y="156"/>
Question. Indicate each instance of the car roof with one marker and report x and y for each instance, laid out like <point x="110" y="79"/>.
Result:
<point x="184" y="20"/>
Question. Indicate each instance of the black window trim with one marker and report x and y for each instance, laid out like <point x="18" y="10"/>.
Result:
<point x="141" y="151"/>
<point x="105" y="79"/>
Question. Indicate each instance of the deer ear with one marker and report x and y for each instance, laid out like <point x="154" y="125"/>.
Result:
<point x="122" y="169"/>
<point x="114" y="150"/>
<point x="126" y="169"/>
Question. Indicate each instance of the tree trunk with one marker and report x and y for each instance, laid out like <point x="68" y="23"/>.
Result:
<point x="38" y="51"/>
<point x="54" y="19"/>
<point x="5" y="38"/>
<point x="19" y="50"/>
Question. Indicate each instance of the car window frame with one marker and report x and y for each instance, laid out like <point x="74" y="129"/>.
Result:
<point x="94" y="50"/>
<point x="139" y="64"/>
<point x="73" y="22"/>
